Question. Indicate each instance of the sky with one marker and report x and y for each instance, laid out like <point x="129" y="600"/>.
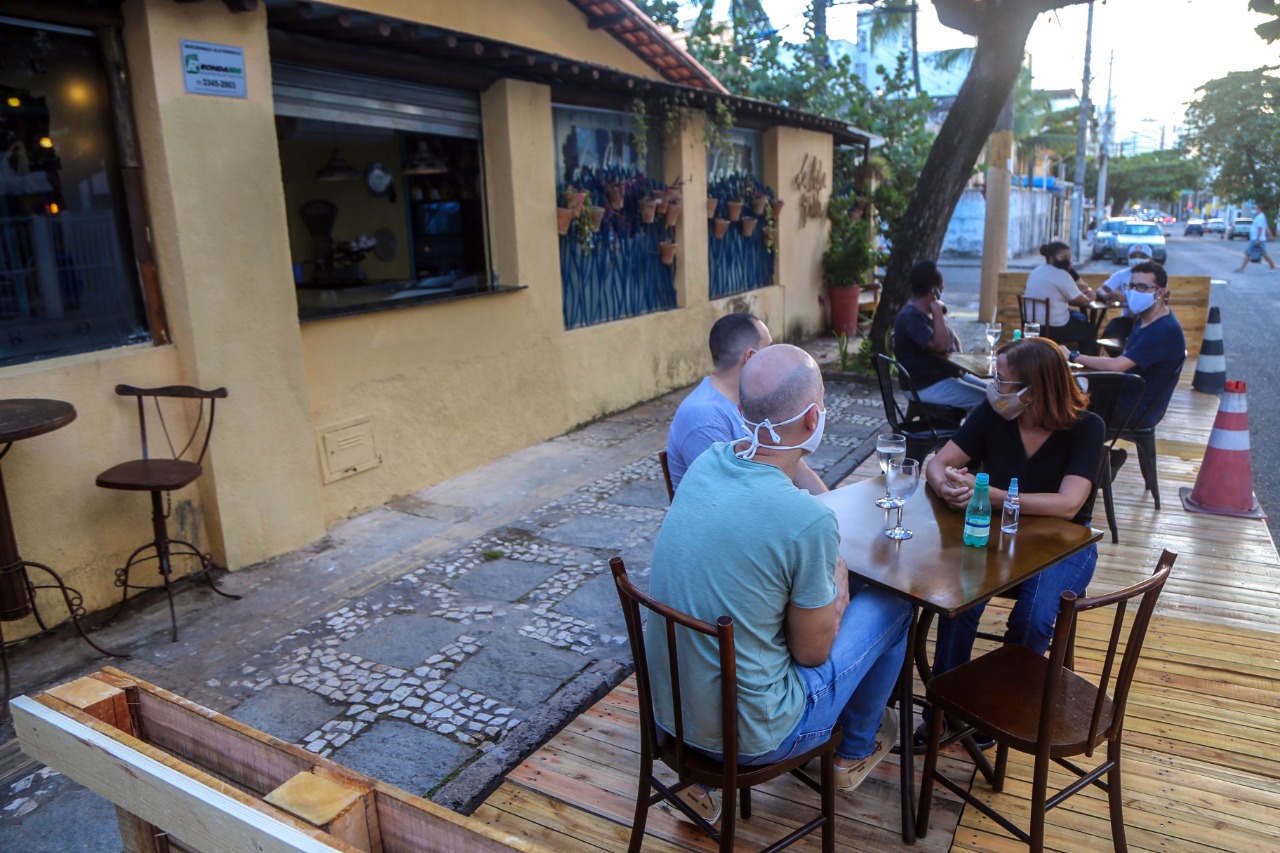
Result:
<point x="1163" y="50"/>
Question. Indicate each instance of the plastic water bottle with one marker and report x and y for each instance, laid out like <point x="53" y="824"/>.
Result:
<point x="977" y="516"/>
<point x="1012" y="509"/>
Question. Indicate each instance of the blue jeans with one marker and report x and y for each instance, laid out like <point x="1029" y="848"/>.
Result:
<point x="1034" y="612"/>
<point x="853" y="686"/>
<point x="964" y="392"/>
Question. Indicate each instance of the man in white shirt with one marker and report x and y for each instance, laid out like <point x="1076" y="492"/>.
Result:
<point x="1258" y="232"/>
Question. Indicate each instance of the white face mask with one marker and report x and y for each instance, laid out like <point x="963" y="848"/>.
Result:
<point x="1139" y="301"/>
<point x="1008" y="406"/>
<point x="810" y="444"/>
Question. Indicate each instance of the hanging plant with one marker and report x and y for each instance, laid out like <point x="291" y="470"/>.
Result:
<point x="717" y="130"/>
<point x="640" y="132"/>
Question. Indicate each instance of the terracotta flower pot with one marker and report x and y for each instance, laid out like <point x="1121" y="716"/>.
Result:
<point x="844" y="309"/>
<point x="735" y="210"/>
<point x="597" y="215"/>
<point x="673" y="212"/>
<point x="748" y="226"/>
<point x="667" y="252"/>
<point x="662" y="203"/>
<point x="648" y="207"/>
<point x="758" y="203"/>
<point x="614" y="195"/>
<point x="564" y="216"/>
<point x="720" y="227"/>
<point x="712" y="204"/>
<point x="777" y="207"/>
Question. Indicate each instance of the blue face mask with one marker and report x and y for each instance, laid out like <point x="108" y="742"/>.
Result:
<point x="810" y="444"/>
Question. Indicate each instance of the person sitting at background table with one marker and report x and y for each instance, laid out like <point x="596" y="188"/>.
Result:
<point x="1113" y="290"/>
<point x="1036" y="427"/>
<point x="1053" y="280"/>
<point x="922" y="339"/>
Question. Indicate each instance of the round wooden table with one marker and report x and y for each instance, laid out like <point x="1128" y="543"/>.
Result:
<point x="19" y="419"/>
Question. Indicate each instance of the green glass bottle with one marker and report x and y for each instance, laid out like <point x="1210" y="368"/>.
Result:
<point x="977" y="516"/>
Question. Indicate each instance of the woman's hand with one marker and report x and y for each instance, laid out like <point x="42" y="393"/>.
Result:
<point x="956" y="487"/>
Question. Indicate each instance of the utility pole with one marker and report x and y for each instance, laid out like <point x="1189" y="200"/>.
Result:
<point x="1105" y="154"/>
<point x="1082" y="136"/>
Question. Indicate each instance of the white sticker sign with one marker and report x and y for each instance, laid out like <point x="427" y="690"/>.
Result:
<point x="213" y="69"/>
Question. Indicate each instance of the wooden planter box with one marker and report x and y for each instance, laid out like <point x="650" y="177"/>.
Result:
<point x="184" y="777"/>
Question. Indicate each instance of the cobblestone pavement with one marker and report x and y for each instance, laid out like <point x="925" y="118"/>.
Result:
<point x="432" y="643"/>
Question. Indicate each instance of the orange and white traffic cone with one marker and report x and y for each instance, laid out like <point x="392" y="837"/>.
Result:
<point x="1224" y="485"/>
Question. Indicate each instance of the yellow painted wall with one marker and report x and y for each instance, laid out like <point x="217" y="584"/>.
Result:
<point x="800" y="248"/>
<point x="553" y="26"/>
<point x="222" y="248"/>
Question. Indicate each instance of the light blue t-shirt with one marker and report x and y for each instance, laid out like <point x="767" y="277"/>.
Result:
<point x="706" y="416"/>
<point x="740" y="540"/>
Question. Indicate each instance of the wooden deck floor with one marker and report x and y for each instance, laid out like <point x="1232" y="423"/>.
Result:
<point x="1203" y="727"/>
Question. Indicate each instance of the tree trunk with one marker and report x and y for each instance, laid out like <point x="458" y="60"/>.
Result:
<point x="1001" y="27"/>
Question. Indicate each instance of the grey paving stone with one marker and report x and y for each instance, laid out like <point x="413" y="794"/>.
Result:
<point x="403" y="755"/>
<point x="596" y="601"/>
<point x="71" y="819"/>
<point x="518" y="670"/>
<point x="503" y="580"/>
<point x="599" y="532"/>
<point x="647" y="493"/>
<point x="404" y="640"/>
<point x="443" y="515"/>
<point x="285" y="712"/>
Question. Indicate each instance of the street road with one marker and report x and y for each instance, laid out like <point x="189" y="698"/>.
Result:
<point x="1250" y="303"/>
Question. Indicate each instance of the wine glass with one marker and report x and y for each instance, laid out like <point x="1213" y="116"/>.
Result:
<point x="903" y="478"/>
<point x="993" y="337"/>
<point x="889" y="446"/>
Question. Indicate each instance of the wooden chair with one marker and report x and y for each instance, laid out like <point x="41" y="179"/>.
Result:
<point x="1145" y="438"/>
<point x="161" y="475"/>
<point x="694" y="767"/>
<point x="1040" y="706"/>
<point x="1112" y="396"/>
<point x="1031" y="307"/>
<point x="666" y="475"/>
<point x="925" y="426"/>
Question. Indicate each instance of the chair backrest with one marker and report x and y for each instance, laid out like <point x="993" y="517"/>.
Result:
<point x="892" y="411"/>
<point x="1113" y="397"/>
<point x="1123" y="646"/>
<point x="671" y="620"/>
<point x="201" y="426"/>
<point x="666" y="475"/>
<point x="1033" y="307"/>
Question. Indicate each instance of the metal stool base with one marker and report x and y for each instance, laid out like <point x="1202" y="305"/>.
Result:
<point x="163" y="551"/>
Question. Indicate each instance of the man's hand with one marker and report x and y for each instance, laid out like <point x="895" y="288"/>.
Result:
<point x="956" y="487"/>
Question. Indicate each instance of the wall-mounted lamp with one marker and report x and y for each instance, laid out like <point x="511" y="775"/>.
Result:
<point x="337" y="169"/>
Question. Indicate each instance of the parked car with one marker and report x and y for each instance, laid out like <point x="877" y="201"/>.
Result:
<point x="1240" y="228"/>
<point x="1132" y="233"/>
<point x="1215" y="226"/>
<point x="1103" y="240"/>
<point x="1195" y="228"/>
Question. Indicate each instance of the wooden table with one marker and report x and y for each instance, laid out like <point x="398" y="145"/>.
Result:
<point x="1097" y="313"/>
<point x="977" y="363"/>
<point x="19" y="419"/>
<point x="934" y="570"/>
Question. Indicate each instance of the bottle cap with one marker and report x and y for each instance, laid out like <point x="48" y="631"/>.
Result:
<point x="1013" y="486"/>
<point x="1017" y="334"/>
<point x="983" y="479"/>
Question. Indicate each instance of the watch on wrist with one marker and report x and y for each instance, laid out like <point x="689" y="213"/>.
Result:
<point x="1073" y="355"/>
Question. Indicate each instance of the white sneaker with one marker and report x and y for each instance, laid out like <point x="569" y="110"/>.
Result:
<point x="706" y="806"/>
<point x="849" y="778"/>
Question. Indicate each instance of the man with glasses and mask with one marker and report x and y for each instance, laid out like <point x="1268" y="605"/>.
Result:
<point x="1113" y="290"/>
<point x="710" y="412"/>
<point x="743" y="541"/>
<point x="1154" y="350"/>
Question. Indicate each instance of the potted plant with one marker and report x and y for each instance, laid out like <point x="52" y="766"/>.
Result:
<point x="748" y="226"/>
<point x="845" y="266"/>
<point x="720" y="227"/>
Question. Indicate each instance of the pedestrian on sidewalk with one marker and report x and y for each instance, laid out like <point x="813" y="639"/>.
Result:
<point x="1258" y="232"/>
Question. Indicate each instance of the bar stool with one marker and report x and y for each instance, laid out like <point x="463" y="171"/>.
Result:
<point x="160" y="476"/>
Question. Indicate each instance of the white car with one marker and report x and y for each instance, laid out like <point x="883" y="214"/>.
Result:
<point x="1215" y="226"/>
<point x="1136" y="232"/>
<point x="1240" y="228"/>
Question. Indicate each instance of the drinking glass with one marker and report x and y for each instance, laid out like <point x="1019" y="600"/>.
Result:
<point x="993" y="337"/>
<point x="903" y="478"/>
<point x="1031" y="330"/>
<point x="889" y="446"/>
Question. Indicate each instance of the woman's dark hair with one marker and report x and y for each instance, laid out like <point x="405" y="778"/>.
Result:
<point x="924" y="276"/>
<point x="1056" y="400"/>
<point x="1051" y="249"/>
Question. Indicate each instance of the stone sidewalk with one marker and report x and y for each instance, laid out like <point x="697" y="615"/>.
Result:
<point x="433" y="642"/>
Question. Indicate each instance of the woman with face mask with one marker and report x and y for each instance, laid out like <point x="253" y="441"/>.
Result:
<point x="1053" y="280"/>
<point x="1036" y="427"/>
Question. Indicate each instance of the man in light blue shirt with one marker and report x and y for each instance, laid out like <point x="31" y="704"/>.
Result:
<point x="710" y="412"/>
<point x="743" y="541"/>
